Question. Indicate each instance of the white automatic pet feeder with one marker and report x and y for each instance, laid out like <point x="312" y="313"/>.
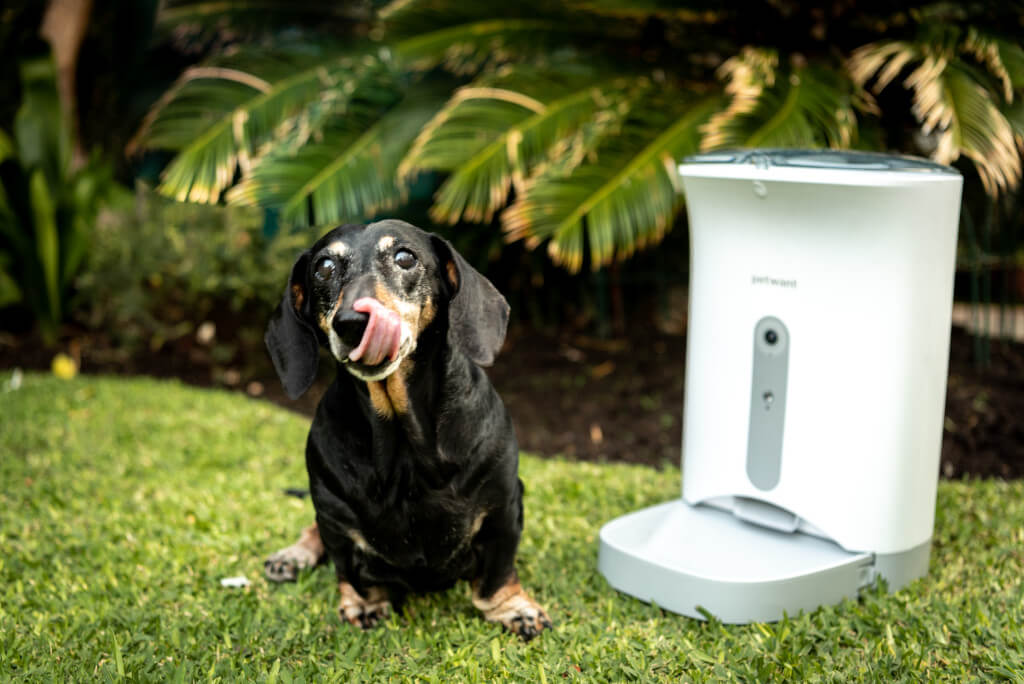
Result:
<point x="818" y="343"/>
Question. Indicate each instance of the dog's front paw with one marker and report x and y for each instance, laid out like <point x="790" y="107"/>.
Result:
<point x="361" y="611"/>
<point x="513" y="608"/>
<point x="528" y="622"/>
<point x="284" y="566"/>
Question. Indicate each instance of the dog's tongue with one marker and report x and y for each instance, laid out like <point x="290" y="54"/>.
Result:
<point x="382" y="336"/>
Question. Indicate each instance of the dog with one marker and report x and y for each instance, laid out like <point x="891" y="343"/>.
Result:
<point x="412" y="457"/>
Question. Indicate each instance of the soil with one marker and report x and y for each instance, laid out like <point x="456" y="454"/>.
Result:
<point x="579" y="397"/>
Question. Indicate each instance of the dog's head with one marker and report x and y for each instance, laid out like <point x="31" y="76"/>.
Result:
<point x="368" y="293"/>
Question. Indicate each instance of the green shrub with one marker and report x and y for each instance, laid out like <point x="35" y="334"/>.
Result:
<point x="47" y="204"/>
<point x="158" y="271"/>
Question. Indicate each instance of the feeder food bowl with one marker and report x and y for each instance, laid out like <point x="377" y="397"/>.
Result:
<point x="817" y="350"/>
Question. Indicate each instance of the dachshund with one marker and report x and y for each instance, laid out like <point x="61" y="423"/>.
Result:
<point x="412" y="457"/>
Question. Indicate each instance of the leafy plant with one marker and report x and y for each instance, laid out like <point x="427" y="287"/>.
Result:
<point x="962" y="84"/>
<point x="565" y="120"/>
<point x="47" y="208"/>
<point x="155" y="273"/>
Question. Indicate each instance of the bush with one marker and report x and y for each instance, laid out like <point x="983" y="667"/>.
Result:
<point x="155" y="273"/>
<point x="48" y="204"/>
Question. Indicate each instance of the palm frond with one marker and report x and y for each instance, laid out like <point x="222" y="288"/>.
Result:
<point x="405" y="18"/>
<point x="622" y="199"/>
<point x="642" y="10"/>
<point x="975" y="127"/>
<point x="1014" y="114"/>
<point x="494" y="132"/>
<point x="350" y="174"/>
<point x="951" y="103"/>
<point x="464" y="48"/>
<point x="176" y="13"/>
<point x="218" y="116"/>
<point x="746" y="75"/>
<point x="1002" y="58"/>
<point x="798" y="106"/>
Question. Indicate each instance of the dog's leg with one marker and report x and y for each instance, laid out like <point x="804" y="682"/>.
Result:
<point x="511" y="606"/>
<point x="496" y="589"/>
<point x="362" y="611"/>
<point x="307" y="552"/>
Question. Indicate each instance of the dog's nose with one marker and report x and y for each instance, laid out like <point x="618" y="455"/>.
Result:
<point x="350" y="326"/>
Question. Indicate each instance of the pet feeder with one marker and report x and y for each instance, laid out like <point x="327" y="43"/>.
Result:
<point x="818" y="343"/>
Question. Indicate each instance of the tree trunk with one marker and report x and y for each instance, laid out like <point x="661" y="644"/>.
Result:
<point x="64" y="27"/>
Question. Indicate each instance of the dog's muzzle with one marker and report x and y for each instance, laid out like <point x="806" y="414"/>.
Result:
<point x="378" y="329"/>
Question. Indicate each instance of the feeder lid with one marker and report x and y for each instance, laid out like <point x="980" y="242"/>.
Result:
<point x="698" y="560"/>
<point x="845" y="160"/>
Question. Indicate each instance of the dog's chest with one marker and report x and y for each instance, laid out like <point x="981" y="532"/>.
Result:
<point x="418" y="528"/>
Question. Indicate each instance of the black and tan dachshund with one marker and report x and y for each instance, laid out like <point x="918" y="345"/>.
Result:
<point x="412" y="457"/>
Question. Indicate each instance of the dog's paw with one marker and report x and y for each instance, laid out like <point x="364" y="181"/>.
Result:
<point x="307" y="552"/>
<point x="284" y="566"/>
<point x="528" y="622"/>
<point x="513" y="608"/>
<point x="363" y="612"/>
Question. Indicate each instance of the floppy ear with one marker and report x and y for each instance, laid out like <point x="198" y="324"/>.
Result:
<point x="477" y="313"/>
<point x="290" y="339"/>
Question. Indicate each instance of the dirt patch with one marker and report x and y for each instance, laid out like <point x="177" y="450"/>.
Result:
<point x="622" y="400"/>
<point x="575" y="396"/>
<point x="984" y="430"/>
<point x="595" y="399"/>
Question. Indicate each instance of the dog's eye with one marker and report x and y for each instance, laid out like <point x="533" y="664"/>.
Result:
<point x="405" y="259"/>
<point x="325" y="268"/>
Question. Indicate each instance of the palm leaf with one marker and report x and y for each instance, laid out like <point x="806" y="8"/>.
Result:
<point x="1002" y="58"/>
<point x="976" y="128"/>
<point x="625" y="198"/>
<point x="642" y="10"/>
<point x="800" y="106"/>
<point x="349" y="174"/>
<point x="495" y="131"/>
<point x="746" y="76"/>
<point x="950" y="101"/>
<point x="1014" y="114"/>
<point x="464" y="48"/>
<point x="524" y="26"/>
<point x="219" y="115"/>
<point x="179" y="12"/>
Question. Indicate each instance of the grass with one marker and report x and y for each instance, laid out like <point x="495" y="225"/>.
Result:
<point x="124" y="502"/>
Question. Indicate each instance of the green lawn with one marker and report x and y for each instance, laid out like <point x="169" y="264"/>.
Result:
<point x="124" y="502"/>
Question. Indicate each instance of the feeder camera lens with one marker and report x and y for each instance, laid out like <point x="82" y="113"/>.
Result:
<point x="771" y="337"/>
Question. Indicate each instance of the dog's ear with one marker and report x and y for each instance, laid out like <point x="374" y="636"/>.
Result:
<point x="477" y="313"/>
<point x="290" y="338"/>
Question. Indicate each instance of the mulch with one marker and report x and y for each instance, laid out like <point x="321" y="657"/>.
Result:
<point x="575" y="396"/>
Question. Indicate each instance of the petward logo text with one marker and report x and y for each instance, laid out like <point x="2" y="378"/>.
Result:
<point x="774" y="282"/>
